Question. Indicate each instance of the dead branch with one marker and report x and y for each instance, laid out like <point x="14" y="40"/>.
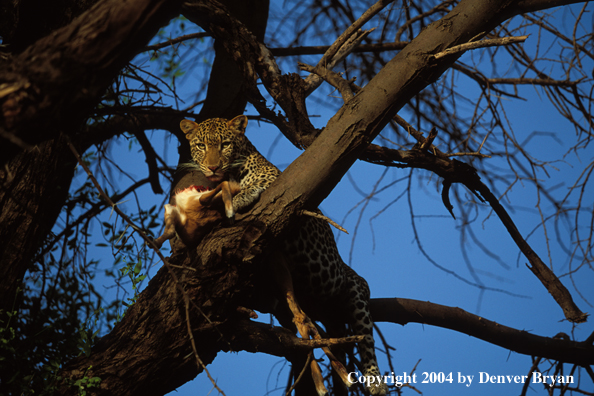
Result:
<point x="480" y="44"/>
<point x="331" y="78"/>
<point x="176" y="40"/>
<point x="321" y="49"/>
<point x="351" y="30"/>
<point x="321" y="216"/>
<point x="453" y="171"/>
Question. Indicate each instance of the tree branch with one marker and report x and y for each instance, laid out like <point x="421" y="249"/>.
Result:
<point x="150" y="158"/>
<point x="404" y="311"/>
<point x="526" y="6"/>
<point x="321" y="49"/>
<point x="176" y="40"/>
<point x="72" y="67"/>
<point x="453" y="171"/>
<point x="480" y="44"/>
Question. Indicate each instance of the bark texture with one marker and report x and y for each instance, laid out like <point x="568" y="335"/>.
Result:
<point x="54" y="83"/>
<point x="32" y="194"/>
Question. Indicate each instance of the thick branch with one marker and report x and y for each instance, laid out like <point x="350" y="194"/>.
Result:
<point x="33" y="189"/>
<point x="255" y="60"/>
<point x="526" y="6"/>
<point x="403" y="311"/>
<point x="55" y="82"/>
<point x="155" y="350"/>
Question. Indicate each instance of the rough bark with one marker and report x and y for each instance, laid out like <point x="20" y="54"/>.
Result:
<point x="33" y="192"/>
<point x="22" y="22"/>
<point x="54" y="83"/>
<point x="226" y="95"/>
<point x="149" y="352"/>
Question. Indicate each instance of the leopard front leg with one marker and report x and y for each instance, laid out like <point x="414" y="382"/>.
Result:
<point x="246" y="197"/>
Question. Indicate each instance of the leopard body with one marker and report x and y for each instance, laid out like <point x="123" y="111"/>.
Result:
<point x="221" y="150"/>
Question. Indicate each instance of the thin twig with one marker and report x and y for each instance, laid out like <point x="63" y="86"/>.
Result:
<point x="305" y="366"/>
<point x="473" y="154"/>
<point x="480" y="44"/>
<point x="321" y="216"/>
<point x="427" y="143"/>
<point x="347" y="41"/>
<point x="150" y="242"/>
<point x="199" y="362"/>
<point x="175" y="41"/>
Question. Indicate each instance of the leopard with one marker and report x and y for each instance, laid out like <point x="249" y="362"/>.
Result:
<point x="221" y="151"/>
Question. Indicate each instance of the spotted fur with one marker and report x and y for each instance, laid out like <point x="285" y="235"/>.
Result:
<point x="220" y="149"/>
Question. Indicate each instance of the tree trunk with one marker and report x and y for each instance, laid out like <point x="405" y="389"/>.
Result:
<point x="33" y="192"/>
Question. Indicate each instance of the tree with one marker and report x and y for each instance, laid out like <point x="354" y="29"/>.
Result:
<point x="83" y="77"/>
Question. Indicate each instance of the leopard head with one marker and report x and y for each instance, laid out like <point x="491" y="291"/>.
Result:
<point x="215" y="144"/>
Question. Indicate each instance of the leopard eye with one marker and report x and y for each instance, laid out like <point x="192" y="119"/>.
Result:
<point x="201" y="146"/>
<point x="224" y="145"/>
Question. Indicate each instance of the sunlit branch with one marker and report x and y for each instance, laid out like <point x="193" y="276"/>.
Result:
<point x="480" y="44"/>
<point x="321" y="216"/>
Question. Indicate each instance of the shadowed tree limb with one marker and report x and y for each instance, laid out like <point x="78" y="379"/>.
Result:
<point x="404" y="311"/>
<point x="72" y="68"/>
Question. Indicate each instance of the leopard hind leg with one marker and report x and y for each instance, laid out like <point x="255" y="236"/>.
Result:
<point x="305" y="326"/>
<point x="362" y="324"/>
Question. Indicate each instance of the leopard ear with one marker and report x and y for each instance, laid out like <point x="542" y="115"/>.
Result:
<point x="187" y="127"/>
<point x="238" y="124"/>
